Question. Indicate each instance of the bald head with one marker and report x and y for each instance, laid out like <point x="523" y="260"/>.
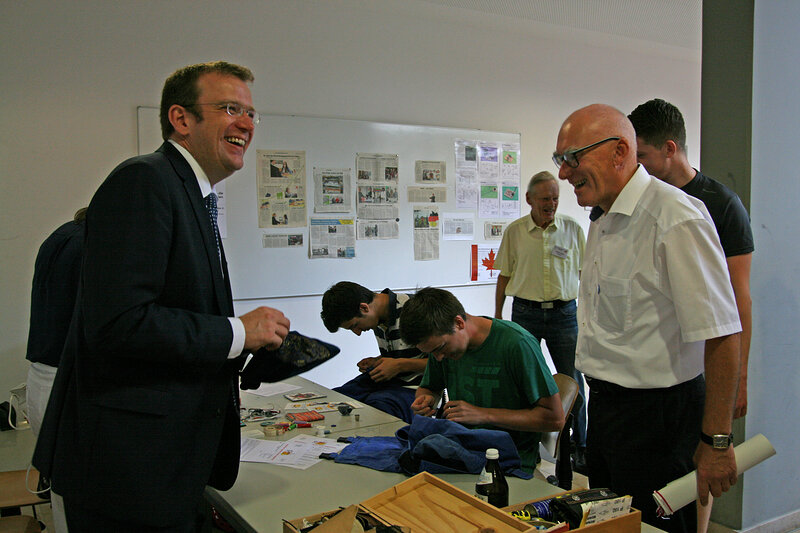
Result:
<point x="604" y="169"/>
<point x="600" y="121"/>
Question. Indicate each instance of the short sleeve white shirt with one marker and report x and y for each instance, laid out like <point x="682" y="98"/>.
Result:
<point x="654" y="287"/>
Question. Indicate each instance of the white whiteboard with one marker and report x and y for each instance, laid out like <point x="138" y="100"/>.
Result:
<point x="259" y="273"/>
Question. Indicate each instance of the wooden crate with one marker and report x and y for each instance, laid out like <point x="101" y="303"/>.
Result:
<point x="427" y="504"/>
<point x="630" y="523"/>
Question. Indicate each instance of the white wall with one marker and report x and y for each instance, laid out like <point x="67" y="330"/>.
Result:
<point x="72" y="74"/>
<point x="774" y="377"/>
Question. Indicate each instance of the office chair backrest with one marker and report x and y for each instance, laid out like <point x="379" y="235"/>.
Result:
<point x="568" y="390"/>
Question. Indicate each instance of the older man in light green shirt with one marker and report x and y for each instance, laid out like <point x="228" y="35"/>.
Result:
<point x="539" y="261"/>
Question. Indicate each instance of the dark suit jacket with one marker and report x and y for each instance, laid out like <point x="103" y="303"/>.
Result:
<point x="144" y="409"/>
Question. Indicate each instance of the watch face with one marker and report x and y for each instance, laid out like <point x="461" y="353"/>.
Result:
<point x="721" y="441"/>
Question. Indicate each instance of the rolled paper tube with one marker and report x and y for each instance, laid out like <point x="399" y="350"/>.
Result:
<point x="683" y="491"/>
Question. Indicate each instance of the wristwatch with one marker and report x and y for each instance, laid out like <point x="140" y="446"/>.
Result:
<point x="718" y="442"/>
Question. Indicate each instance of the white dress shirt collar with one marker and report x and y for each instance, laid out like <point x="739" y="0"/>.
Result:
<point x="199" y="173"/>
<point x="629" y="196"/>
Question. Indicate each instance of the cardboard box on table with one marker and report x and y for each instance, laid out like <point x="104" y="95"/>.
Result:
<point x="629" y="523"/>
<point x="422" y="504"/>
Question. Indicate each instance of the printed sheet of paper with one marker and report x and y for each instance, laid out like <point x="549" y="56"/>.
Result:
<point x="482" y="263"/>
<point x="466" y="189"/>
<point x="426" y="233"/>
<point x="509" y="199"/>
<point x="458" y="227"/>
<point x="466" y="154"/>
<point x="426" y="245"/>
<point x="371" y="230"/>
<point x="433" y="195"/>
<point x="376" y="196"/>
<point x="270" y="389"/>
<point x="488" y="161"/>
<point x="299" y="452"/>
<point x="282" y="240"/>
<point x="493" y="230"/>
<point x="509" y="162"/>
<point x="489" y="202"/>
<point x="332" y="188"/>
<point x="376" y="167"/>
<point x="332" y="238"/>
<point x="281" y="188"/>
<point x="429" y="172"/>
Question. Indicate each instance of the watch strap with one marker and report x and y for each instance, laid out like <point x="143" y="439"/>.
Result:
<point x="721" y="441"/>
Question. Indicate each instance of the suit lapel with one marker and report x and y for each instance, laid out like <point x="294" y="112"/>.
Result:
<point x="221" y="281"/>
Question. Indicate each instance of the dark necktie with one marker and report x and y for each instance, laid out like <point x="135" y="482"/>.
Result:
<point x="211" y="206"/>
<point x="213" y="213"/>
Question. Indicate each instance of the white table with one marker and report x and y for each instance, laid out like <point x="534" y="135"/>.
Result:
<point x="265" y="494"/>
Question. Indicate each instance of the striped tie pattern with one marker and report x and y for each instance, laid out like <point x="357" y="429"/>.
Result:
<point x="211" y="206"/>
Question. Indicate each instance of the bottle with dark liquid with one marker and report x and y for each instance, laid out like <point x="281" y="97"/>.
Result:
<point x="492" y="486"/>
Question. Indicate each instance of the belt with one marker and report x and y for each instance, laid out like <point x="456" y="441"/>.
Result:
<point x="598" y="385"/>
<point x="553" y="304"/>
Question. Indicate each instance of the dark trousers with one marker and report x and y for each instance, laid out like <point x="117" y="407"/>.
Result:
<point x="81" y="519"/>
<point x="558" y="327"/>
<point x="389" y="396"/>
<point x="641" y="439"/>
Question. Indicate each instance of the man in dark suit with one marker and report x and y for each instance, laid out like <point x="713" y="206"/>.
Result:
<point x="144" y="411"/>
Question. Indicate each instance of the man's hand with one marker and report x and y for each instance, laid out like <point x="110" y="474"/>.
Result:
<point x="464" y="413"/>
<point x="366" y="364"/>
<point x="716" y="471"/>
<point x="424" y="404"/>
<point x="740" y="409"/>
<point x="385" y="368"/>
<point x="264" y="327"/>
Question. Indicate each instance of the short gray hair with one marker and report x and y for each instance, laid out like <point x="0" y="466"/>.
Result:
<point x="540" y="177"/>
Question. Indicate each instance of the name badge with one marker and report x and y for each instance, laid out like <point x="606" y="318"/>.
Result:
<point x="558" y="251"/>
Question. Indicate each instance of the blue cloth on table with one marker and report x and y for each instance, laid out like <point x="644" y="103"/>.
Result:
<point x="432" y="445"/>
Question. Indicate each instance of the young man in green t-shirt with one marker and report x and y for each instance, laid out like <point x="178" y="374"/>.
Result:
<point x="494" y="371"/>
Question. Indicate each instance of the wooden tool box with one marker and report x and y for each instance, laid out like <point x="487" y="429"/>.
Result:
<point x="427" y="504"/>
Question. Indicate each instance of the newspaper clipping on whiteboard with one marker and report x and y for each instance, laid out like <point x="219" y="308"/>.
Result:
<point x="457" y="227"/>
<point x="377" y="186"/>
<point x="377" y="229"/>
<point x="430" y="172"/>
<point x="426" y="233"/>
<point x="434" y="195"/>
<point x="493" y="229"/>
<point x="332" y="238"/>
<point x="281" y="188"/>
<point x="466" y="153"/>
<point x="275" y="240"/>
<point x="332" y="190"/>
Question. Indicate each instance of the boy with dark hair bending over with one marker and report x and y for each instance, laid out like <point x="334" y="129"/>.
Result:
<point x="493" y="369"/>
<point x="386" y="382"/>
